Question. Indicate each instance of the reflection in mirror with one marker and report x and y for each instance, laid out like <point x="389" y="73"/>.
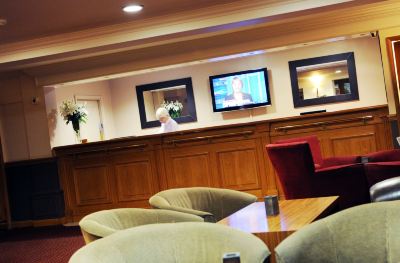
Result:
<point x="153" y="99"/>
<point x="323" y="80"/>
<point x="152" y="96"/>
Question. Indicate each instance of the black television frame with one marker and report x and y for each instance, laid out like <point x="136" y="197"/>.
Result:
<point x="247" y="106"/>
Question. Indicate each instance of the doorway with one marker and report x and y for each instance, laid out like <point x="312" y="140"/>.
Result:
<point x="92" y="130"/>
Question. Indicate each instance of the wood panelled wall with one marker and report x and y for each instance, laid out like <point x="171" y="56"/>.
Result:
<point x="126" y="172"/>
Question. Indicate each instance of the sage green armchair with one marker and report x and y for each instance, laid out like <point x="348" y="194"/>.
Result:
<point x="175" y="243"/>
<point x="366" y="233"/>
<point x="213" y="204"/>
<point x="107" y="222"/>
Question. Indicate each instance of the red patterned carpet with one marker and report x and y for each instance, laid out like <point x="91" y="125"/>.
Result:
<point x="39" y="245"/>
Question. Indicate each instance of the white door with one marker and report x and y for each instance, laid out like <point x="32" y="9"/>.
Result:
<point x="91" y="129"/>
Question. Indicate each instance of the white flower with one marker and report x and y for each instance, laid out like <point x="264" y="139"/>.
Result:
<point x="70" y="111"/>
<point x="178" y="105"/>
<point x="172" y="106"/>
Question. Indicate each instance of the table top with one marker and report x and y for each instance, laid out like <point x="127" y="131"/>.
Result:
<point x="293" y="215"/>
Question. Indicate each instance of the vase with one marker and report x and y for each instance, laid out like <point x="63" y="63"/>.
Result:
<point x="78" y="136"/>
<point x="77" y="130"/>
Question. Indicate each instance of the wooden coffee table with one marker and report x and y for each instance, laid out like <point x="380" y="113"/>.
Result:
<point x="294" y="214"/>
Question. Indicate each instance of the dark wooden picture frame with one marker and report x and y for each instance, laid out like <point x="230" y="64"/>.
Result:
<point x="187" y="82"/>
<point x="299" y="102"/>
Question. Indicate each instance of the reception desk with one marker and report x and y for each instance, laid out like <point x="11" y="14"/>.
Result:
<point x="125" y="172"/>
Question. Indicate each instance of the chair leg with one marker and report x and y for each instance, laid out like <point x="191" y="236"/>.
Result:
<point x="89" y="237"/>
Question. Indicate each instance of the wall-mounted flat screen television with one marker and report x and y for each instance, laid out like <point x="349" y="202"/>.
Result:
<point x="240" y="90"/>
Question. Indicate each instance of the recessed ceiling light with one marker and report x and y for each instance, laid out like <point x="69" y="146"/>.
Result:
<point x="132" y="8"/>
<point x="3" y="22"/>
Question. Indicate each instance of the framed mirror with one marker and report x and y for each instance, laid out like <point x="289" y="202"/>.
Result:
<point x="323" y="80"/>
<point x="177" y="92"/>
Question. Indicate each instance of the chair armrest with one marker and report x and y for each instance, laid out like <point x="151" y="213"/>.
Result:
<point x="335" y="161"/>
<point x="384" y="156"/>
<point x="334" y="168"/>
<point x="96" y="229"/>
<point x="188" y="211"/>
<point x="159" y="202"/>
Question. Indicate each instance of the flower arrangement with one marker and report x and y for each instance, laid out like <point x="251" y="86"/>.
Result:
<point x="174" y="108"/>
<point x="71" y="112"/>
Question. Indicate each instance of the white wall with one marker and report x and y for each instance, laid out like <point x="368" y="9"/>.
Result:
<point x="24" y="126"/>
<point x="369" y="74"/>
<point x="62" y="134"/>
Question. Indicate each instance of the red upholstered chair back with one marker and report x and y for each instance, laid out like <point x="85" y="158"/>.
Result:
<point x="294" y="165"/>
<point x="314" y="146"/>
<point x="384" y="156"/>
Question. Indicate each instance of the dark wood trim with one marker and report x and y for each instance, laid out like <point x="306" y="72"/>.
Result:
<point x="39" y="223"/>
<point x="4" y="192"/>
<point x="392" y="117"/>
<point x="298" y="102"/>
<point x="113" y="148"/>
<point x="211" y="137"/>
<point x="363" y="119"/>
<point x="392" y="62"/>
<point x="30" y="162"/>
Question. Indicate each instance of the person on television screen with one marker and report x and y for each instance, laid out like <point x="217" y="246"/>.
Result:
<point x="167" y="123"/>
<point x="237" y="98"/>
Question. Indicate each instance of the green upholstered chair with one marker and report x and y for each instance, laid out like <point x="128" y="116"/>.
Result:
<point x="365" y="233"/>
<point x="175" y="243"/>
<point x="107" y="222"/>
<point x="213" y="204"/>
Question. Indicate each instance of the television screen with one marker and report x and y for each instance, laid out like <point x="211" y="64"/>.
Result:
<point x="240" y="90"/>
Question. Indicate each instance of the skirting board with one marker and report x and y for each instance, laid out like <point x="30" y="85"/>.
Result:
<point x="38" y="223"/>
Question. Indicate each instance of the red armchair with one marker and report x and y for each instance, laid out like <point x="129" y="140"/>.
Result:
<point x="384" y="156"/>
<point x="299" y="178"/>
<point x="315" y="147"/>
<point x="382" y="165"/>
<point x="380" y="171"/>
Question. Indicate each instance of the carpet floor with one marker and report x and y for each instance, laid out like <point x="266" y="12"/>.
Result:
<point x="54" y="244"/>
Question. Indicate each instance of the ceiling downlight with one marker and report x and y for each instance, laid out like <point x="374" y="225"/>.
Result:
<point x="132" y="8"/>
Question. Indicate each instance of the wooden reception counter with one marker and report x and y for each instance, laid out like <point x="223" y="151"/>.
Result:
<point x="125" y="172"/>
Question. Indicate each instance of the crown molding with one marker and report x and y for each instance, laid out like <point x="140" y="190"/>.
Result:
<point x="171" y="28"/>
<point x="199" y="49"/>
